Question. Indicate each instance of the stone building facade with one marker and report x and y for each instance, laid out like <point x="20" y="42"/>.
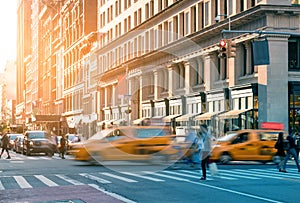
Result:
<point x="132" y="61"/>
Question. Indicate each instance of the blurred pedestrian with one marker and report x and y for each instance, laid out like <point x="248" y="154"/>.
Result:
<point x="192" y="153"/>
<point x="297" y="137"/>
<point x="291" y="151"/>
<point x="54" y="140"/>
<point x="4" y="145"/>
<point x="205" y="137"/>
<point x="280" y="150"/>
<point x="63" y="146"/>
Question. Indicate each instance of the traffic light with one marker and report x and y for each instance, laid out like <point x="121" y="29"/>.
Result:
<point x="231" y="49"/>
<point x="223" y="48"/>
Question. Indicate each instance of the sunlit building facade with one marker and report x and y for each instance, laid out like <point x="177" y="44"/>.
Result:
<point x="168" y="52"/>
<point x="128" y="61"/>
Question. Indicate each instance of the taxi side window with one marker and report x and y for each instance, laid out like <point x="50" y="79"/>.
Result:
<point x="268" y="136"/>
<point x="243" y="137"/>
<point x="114" y="135"/>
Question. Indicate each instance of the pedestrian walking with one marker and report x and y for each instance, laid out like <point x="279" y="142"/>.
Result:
<point x="205" y="152"/>
<point x="4" y="145"/>
<point x="297" y="137"/>
<point x="192" y="154"/>
<point x="54" y="140"/>
<point x="63" y="146"/>
<point x="279" y="145"/>
<point x="291" y="151"/>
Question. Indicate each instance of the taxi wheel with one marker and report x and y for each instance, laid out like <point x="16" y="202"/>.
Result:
<point x="225" y="158"/>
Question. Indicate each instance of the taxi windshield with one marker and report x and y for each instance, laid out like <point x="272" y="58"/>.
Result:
<point x="227" y="137"/>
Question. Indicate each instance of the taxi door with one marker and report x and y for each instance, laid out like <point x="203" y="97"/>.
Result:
<point x="244" y="147"/>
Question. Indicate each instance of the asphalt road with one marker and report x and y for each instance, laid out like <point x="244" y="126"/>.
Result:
<point x="45" y="179"/>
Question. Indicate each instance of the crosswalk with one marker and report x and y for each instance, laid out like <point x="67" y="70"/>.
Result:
<point x="101" y="178"/>
<point x="20" y="157"/>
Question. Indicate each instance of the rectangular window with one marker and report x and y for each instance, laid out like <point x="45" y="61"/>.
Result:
<point x="135" y="18"/>
<point x="293" y="54"/>
<point x="187" y="23"/>
<point x="147" y="11"/>
<point x="207" y="13"/>
<point x="170" y="31"/>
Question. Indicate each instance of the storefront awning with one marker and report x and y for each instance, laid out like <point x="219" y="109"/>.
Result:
<point x="232" y="114"/>
<point x="205" y="116"/>
<point x="118" y="121"/>
<point x="139" y="120"/>
<point x="104" y="122"/>
<point x="168" y="119"/>
<point x="185" y="117"/>
<point x="47" y="118"/>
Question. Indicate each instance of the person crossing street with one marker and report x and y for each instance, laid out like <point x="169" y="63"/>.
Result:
<point x="4" y="145"/>
<point x="291" y="151"/>
<point x="63" y="146"/>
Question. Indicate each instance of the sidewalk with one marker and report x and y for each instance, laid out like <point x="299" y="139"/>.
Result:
<point x="62" y="194"/>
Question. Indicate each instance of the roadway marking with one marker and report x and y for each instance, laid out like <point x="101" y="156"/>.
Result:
<point x="16" y="162"/>
<point x="22" y="182"/>
<point x="100" y="180"/>
<point x="1" y="186"/>
<point x="144" y="177"/>
<point x="198" y="174"/>
<point x="217" y="188"/>
<point x="165" y="176"/>
<point x="46" y="180"/>
<point x="236" y="192"/>
<point x="119" y="177"/>
<point x="111" y="194"/>
<point x="227" y="173"/>
<point x="72" y="181"/>
<point x="276" y="173"/>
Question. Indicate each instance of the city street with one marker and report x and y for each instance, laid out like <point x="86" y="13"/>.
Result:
<point x="51" y="179"/>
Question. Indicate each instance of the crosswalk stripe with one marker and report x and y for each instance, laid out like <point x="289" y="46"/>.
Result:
<point x="165" y="176"/>
<point x="72" y="181"/>
<point x="1" y="186"/>
<point x="275" y="173"/>
<point x="255" y="174"/>
<point x="100" y="180"/>
<point x="46" y="180"/>
<point x="119" y="177"/>
<point x="227" y="173"/>
<point x="198" y="175"/>
<point x="22" y="182"/>
<point x="144" y="177"/>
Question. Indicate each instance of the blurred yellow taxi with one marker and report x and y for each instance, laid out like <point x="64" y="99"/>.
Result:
<point x="246" y="145"/>
<point x="128" y="143"/>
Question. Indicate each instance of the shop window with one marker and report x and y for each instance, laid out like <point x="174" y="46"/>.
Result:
<point x="293" y="54"/>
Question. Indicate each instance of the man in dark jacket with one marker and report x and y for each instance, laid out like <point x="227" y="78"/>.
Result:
<point x="291" y="151"/>
<point x="280" y="150"/>
<point x="4" y="145"/>
<point x="63" y="146"/>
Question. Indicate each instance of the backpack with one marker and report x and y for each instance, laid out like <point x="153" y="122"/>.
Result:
<point x="286" y="144"/>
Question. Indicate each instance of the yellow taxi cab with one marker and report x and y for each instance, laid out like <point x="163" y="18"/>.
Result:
<point x="246" y="145"/>
<point x="128" y="143"/>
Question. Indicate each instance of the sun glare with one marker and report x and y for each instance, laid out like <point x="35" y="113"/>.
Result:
<point x="8" y="35"/>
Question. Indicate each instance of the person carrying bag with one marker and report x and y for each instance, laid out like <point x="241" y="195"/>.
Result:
<point x="279" y="145"/>
<point x="290" y="152"/>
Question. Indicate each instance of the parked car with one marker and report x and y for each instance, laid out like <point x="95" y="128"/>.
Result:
<point x="38" y="141"/>
<point x="130" y="143"/>
<point x="12" y="137"/>
<point x="18" y="145"/>
<point x="246" y="145"/>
